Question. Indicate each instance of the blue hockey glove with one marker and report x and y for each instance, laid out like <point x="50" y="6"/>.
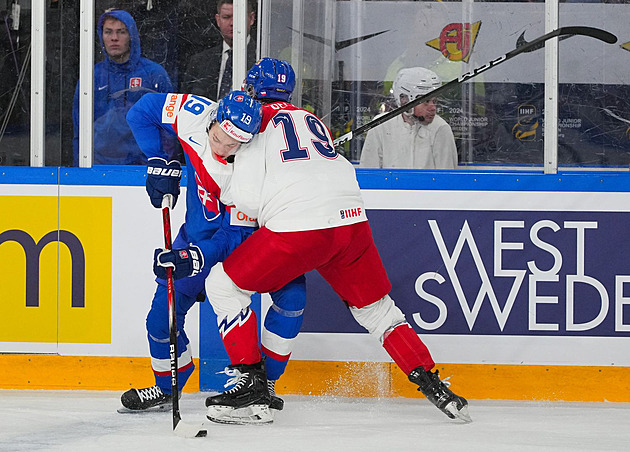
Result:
<point x="184" y="262"/>
<point x="163" y="178"/>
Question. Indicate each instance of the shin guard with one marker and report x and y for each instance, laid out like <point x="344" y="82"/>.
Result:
<point x="240" y="337"/>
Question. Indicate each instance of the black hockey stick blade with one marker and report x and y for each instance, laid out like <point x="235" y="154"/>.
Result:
<point x="522" y="47"/>
<point x="563" y="33"/>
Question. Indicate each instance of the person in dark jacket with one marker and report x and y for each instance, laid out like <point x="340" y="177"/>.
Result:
<point x="120" y="80"/>
<point x="209" y="72"/>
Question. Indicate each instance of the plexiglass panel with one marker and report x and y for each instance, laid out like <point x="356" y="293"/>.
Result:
<point x="15" y="97"/>
<point x="496" y="117"/>
<point x="594" y="105"/>
<point x="346" y="55"/>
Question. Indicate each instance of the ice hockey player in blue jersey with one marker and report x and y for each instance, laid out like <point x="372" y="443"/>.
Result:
<point x="212" y="231"/>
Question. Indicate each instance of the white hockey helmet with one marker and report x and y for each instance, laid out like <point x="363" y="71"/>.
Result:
<point x="413" y="82"/>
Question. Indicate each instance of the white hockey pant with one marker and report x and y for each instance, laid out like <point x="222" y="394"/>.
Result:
<point x="227" y="299"/>
<point x="379" y="317"/>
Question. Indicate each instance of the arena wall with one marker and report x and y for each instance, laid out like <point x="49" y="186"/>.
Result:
<point x="515" y="280"/>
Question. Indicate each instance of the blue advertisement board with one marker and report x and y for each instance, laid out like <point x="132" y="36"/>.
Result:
<point x="496" y="273"/>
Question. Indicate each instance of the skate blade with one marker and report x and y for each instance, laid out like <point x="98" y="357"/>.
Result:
<point x="253" y="414"/>
<point x="459" y="414"/>
<point x="154" y="409"/>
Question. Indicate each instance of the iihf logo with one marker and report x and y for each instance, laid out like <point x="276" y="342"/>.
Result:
<point x="350" y="213"/>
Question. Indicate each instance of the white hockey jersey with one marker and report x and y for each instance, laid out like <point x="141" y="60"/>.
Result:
<point x="290" y="177"/>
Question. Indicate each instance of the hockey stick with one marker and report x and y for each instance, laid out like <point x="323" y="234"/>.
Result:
<point x="521" y="47"/>
<point x="180" y="428"/>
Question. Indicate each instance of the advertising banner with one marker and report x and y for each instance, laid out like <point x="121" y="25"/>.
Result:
<point x="76" y="266"/>
<point x="513" y="278"/>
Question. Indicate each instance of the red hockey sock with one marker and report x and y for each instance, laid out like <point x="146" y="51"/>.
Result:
<point x="406" y="349"/>
<point x="240" y="338"/>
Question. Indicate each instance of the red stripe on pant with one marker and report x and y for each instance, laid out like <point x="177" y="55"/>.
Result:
<point x="166" y="373"/>
<point x="274" y="355"/>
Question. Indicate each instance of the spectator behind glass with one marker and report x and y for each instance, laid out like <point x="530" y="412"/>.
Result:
<point x="209" y="72"/>
<point x="418" y="138"/>
<point x="119" y="82"/>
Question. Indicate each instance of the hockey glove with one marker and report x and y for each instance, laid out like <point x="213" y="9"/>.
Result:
<point x="184" y="262"/>
<point x="162" y="179"/>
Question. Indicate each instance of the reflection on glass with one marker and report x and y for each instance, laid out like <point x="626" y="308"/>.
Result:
<point x="497" y="117"/>
<point x="15" y="95"/>
<point x="346" y="55"/>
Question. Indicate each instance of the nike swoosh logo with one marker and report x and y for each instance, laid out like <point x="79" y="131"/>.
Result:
<point x="520" y="42"/>
<point x="341" y="44"/>
<point x="193" y="141"/>
<point x="100" y="88"/>
<point x="348" y="42"/>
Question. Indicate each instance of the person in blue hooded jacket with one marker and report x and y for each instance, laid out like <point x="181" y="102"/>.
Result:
<point x="120" y="80"/>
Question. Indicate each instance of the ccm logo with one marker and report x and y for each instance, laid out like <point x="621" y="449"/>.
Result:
<point x="164" y="171"/>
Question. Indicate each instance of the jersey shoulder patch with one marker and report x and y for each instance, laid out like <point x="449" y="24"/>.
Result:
<point x="171" y="107"/>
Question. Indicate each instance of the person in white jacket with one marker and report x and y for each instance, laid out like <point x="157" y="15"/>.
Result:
<point x="418" y="138"/>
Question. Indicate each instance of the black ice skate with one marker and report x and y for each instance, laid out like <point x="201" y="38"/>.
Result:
<point x="247" y="402"/>
<point x="437" y="392"/>
<point x="276" y="402"/>
<point x="143" y="400"/>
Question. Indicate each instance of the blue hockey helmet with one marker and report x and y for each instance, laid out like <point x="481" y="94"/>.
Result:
<point x="239" y="115"/>
<point x="270" y="78"/>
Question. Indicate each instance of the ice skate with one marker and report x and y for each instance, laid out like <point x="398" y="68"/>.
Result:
<point x="145" y="400"/>
<point x="276" y="402"/>
<point x="439" y="394"/>
<point x="247" y="402"/>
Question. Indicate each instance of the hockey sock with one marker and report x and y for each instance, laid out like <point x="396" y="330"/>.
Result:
<point x="159" y="343"/>
<point x="163" y="378"/>
<point x="282" y="324"/>
<point x="406" y="349"/>
<point x="240" y="337"/>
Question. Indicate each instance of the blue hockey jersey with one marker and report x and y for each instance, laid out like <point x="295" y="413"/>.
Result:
<point x="208" y="223"/>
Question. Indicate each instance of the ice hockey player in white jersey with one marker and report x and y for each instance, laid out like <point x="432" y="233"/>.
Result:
<point x="419" y="138"/>
<point x="211" y="231"/>
<point x="311" y="214"/>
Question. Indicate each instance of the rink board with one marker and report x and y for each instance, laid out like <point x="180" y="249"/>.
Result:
<point x="517" y="282"/>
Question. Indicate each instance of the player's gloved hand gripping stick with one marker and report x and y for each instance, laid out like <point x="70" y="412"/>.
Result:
<point x="521" y="47"/>
<point x="180" y="428"/>
<point x="162" y="179"/>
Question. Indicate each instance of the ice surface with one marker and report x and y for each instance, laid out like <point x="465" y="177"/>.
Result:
<point x="87" y="421"/>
